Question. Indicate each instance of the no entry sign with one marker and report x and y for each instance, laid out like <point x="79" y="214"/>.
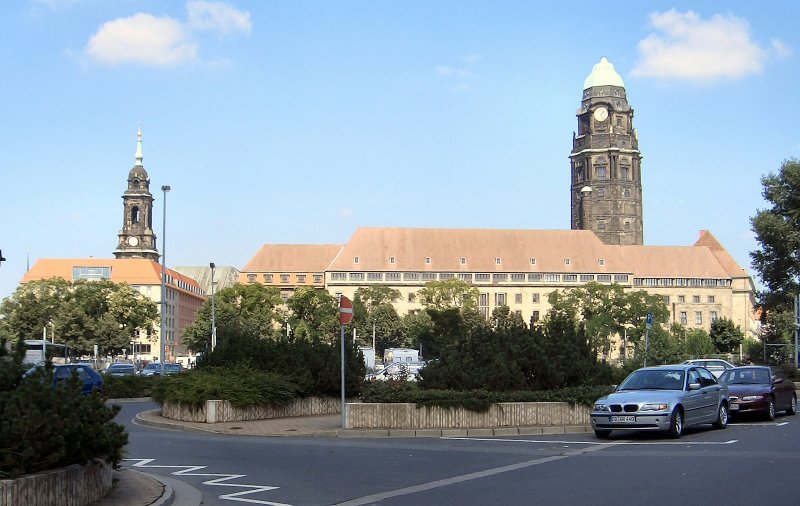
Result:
<point x="345" y="310"/>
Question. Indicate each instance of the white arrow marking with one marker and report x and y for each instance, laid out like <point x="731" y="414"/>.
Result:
<point x="218" y="482"/>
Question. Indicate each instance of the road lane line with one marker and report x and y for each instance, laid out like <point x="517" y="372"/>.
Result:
<point x="465" y="477"/>
<point x="605" y="443"/>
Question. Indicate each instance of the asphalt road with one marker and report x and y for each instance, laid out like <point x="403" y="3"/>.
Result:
<point x="750" y="462"/>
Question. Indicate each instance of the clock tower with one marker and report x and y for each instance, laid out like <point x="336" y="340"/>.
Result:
<point x="606" y="182"/>
<point x="136" y="239"/>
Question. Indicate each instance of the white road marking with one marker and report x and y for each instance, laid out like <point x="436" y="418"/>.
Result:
<point x="218" y="481"/>
<point x="464" y="477"/>
<point x="604" y="443"/>
<point x="762" y="424"/>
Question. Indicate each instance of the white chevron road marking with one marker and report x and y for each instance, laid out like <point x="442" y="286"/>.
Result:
<point x="218" y="481"/>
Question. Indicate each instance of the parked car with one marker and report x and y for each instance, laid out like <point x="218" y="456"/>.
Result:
<point x="758" y="389"/>
<point x="120" y="369"/>
<point x="717" y="366"/>
<point x="665" y="398"/>
<point x="154" y="369"/>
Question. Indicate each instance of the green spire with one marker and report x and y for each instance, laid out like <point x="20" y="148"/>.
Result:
<point x="139" y="155"/>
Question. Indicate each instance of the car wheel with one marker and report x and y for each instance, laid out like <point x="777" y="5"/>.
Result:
<point x="722" y="417"/>
<point x="676" y="424"/>
<point x="771" y="409"/>
<point x="602" y="433"/>
<point x="792" y="406"/>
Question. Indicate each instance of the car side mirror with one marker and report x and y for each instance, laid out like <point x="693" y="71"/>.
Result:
<point x="614" y="387"/>
<point x="776" y="381"/>
<point x="694" y="386"/>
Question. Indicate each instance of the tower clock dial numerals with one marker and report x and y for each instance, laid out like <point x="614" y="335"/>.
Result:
<point x="601" y="114"/>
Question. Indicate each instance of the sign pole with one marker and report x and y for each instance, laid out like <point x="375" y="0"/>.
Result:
<point x="345" y="316"/>
<point x="647" y="337"/>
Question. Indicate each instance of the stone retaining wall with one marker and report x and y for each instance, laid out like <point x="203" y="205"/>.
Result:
<point x="222" y="411"/>
<point x="69" y="486"/>
<point x="504" y="414"/>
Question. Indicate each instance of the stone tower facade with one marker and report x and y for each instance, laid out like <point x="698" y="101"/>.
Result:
<point x="606" y="179"/>
<point x="137" y="239"/>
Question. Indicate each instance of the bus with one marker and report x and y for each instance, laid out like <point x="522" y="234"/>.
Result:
<point x="37" y="350"/>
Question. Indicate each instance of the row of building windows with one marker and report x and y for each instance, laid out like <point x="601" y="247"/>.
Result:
<point x="91" y="273"/>
<point x="285" y="278"/>
<point x="698" y="317"/>
<point x="679" y="282"/>
<point x="518" y="277"/>
<point x="710" y="299"/>
<point x="463" y="261"/>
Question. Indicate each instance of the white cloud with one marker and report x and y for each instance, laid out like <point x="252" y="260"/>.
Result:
<point x="217" y="16"/>
<point x="142" y="38"/>
<point x="685" y="46"/>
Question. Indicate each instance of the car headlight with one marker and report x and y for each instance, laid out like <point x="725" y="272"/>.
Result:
<point x="752" y="397"/>
<point x="600" y="407"/>
<point x="654" y="407"/>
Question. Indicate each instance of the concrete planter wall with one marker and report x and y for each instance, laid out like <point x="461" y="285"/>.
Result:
<point x="69" y="486"/>
<point x="222" y="411"/>
<point x="504" y="414"/>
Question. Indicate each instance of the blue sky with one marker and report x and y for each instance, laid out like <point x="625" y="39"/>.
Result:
<point x="297" y="122"/>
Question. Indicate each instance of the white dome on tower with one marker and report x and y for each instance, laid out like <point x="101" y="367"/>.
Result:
<point x="603" y="74"/>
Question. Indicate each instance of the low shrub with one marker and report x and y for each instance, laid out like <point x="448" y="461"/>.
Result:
<point x="129" y="387"/>
<point x="43" y="428"/>
<point x="476" y="400"/>
<point x="240" y="386"/>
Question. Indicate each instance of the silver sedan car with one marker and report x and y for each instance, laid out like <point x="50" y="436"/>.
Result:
<point x="665" y="398"/>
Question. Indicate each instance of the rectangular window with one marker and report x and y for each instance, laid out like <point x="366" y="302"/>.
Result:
<point x="267" y="278"/>
<point x="601" y="262"/>
<point x="518" y="298"/>
<point x="711" y="299"/>
<point x="570" y="278"/>
<point x="427" y="260"/>
<point x="251" y="278"/>
<point x="681" y="299"/>
<point x="482" y="277"/>
<point x="374" y="276"/>
<point x="535" y="298"/>
<point x="536" y="278"/>
<point x="567" y="261"/>
<point x="627" y="225"/>
<point x="498" y="261"/>
<point x="301" y="278"/>
<point x="412" y="297"/>
<point x="601" y="192"/>
<point x="356" y="276"/>
<point x="625" y="173"/>
<point x="552" y="277"/>
<point x="466" y="278"/>
<point x="91" y="273"/>
<point x="535" y="316"/>
<point x="601" y="225"/>
<point x="499" y="299"/>
<point x="696" y="299"/>
<point x="684" y="318"/>
<point x="484" y="311"/>
<point x="533" y="261"/>
<point x="338" y="276"/>
<point x="483" y="299"/>
<point x="463" y="260"/>
<point x="666" y="300"/>
<point x="317" y="278"/>
<point x="602" y="172"/>
<point x="626" y="192"/>
<point x="518" y="277"/>
<point x="284" y="278"/>
<point x="713" y="316"/>
<point x="698" y="317"/>
<point x="446" y="275"/>
<point x="585" y="278"/>
<point x="411" y="276"/>
<point x="355" y="260"/>
<point x="604" y="278"/>
<point x="428" y="276"/>
<point x="500" y="277"/>
<point x="620" y="278"/>
<point x="392" y="276"/>
<point x="391" y="260"/>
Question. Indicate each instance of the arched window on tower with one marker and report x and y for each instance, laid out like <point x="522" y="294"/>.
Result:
<point x="135" y="217"/>
<point x="135" y="183"/>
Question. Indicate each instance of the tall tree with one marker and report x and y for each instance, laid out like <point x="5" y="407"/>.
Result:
<point x="314" y="314"/>
<point x="726" y="335"/>
<point x="448" y="294"/>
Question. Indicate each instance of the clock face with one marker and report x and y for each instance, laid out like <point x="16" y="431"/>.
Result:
<point x="601" y="114"/>
<point x="133" y="241"/>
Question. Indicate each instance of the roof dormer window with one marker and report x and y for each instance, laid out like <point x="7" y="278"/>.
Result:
<point x="392" y="260"/>
<point x="355" y="260"/>
<point x="463" y="260"/>
<point x="498" y="261"/>
<point x="427" y="260"/>
<point x="567" y="261"/>
<point x="533" y="261"/>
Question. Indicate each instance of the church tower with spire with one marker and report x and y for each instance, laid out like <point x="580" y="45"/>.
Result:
<point x="137" y="239"/>
<point x="606" y="179"/>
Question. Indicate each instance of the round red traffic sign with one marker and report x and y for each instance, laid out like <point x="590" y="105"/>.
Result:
<point x="345" y="310"/>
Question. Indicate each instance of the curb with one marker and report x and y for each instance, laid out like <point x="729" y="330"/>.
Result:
<point x="177" y="493"/>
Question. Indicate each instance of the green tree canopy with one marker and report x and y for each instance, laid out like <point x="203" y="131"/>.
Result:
<point x="81" y="314"/>
<point x="448" y="294"/>
<point x="726" y="335"/>
<point x="314" y="314"/>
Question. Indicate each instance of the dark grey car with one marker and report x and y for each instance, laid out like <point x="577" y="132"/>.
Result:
<point x="665" y="398"/>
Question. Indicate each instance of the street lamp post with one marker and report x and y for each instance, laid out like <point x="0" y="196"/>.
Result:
<point x="164" y="189"/>
<point x="213" y="311"/>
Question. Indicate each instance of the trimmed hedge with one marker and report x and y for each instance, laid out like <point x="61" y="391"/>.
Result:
<point x="241" y="387"/>
<point x="43" y="428"/>
<point x="475" y="400"/>
<point x="129" y="387"/>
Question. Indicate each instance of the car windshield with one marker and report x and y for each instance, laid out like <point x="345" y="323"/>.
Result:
<point x="746" y="377"/>
<point x="122" y="367"/>
<point x="654" y="379"/>
<point x="173" y="367"/>
<point x="152" y="366"/>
